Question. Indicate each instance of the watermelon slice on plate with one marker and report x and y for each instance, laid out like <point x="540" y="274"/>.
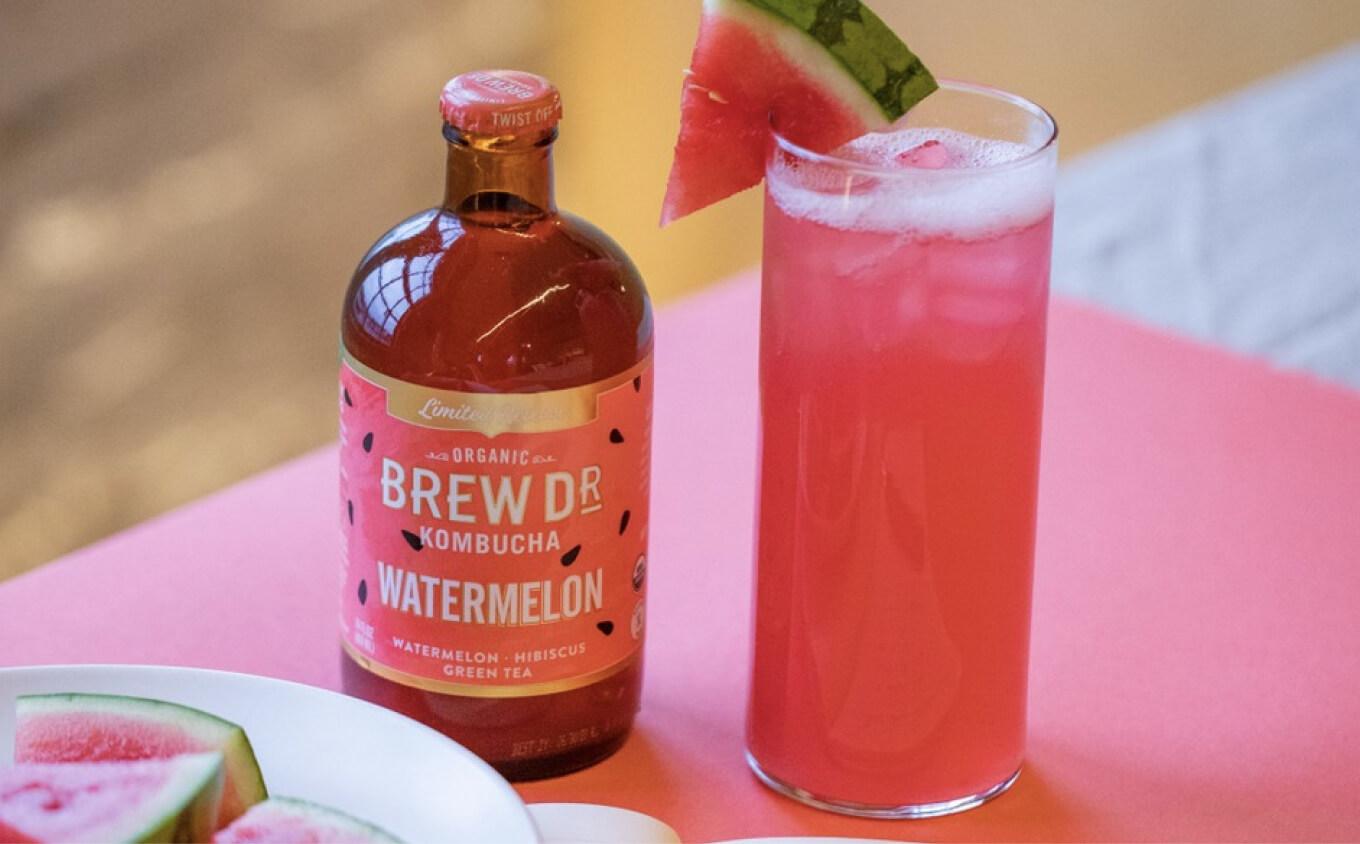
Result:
<point x="98" y="728"/>
<point x="149" y="800"/>
<point x="283" y="819"/>
<point x="821" y="72"/>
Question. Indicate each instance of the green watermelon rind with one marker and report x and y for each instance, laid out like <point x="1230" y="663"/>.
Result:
<point x="322" y="815"/>
<point x="241" y="766"/>
<point x="195" y="796"/>
<point x="845" y="47"/>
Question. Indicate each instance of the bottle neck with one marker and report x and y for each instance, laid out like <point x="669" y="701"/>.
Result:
<point x="503" y="177"/>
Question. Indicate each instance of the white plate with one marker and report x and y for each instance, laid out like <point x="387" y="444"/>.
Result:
<point x="318" y="745"/>
<point x="588" y="823"/>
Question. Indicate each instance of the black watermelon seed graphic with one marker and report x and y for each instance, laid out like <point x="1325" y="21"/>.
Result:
<point x="350" y="505"/>
<point x="570" y="557"/>
<point x="623" y="522"/>
<point x="413" y="540"/>
<point x="347" y="399"/>
<point x="615" y="436"/>
<point x="363" y="592"/>
<point x="368" y="441"/>
<point x="637" y="384"/>
<point x="605" y="627"/>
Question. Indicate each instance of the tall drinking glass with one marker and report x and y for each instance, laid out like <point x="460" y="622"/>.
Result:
<point x="904" y="295"/>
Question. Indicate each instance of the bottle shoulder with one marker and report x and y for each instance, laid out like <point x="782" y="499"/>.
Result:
<point x="595" y="238"/>
<point x="562" y="239"/>
<point x="459" y="303"/>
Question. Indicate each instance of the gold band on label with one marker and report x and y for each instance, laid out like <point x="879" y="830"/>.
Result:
<point x="492" y="413"/>
<point x="470" y="690"/>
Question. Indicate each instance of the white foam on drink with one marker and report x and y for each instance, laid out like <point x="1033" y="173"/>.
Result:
<point x="965" y="151"/>
<point x="951" y="199"/>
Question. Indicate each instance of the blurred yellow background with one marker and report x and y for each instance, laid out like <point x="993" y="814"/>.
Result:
<point x="187" y="186"/>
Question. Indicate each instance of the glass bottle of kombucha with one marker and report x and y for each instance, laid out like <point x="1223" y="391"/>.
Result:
<point x="495" y="420"/>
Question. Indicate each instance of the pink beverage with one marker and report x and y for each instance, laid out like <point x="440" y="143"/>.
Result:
<point x="902" y="361"/>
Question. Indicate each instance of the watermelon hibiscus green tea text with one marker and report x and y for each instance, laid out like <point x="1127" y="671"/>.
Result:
<point x="495" y="417"/>
<point x="822" y="71"/>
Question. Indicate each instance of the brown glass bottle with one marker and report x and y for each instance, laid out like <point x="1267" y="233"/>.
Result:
<point x="497" y="291"/>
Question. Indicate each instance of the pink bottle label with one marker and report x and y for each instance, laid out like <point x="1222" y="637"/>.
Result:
<point x="494" y="544"/>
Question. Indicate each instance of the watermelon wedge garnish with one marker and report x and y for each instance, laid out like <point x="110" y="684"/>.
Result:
<point x="149" y="800"/>
<point x="822" y="72"/>
<point x="283" y="819"/>
<point x="98" y="728"/>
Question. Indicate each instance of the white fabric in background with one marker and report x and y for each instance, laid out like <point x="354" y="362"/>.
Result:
<point x="1237" y="222"/>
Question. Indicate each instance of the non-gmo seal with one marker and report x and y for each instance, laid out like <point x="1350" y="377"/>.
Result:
<point x="638" y="620"/>
<point x="639" y="572"/>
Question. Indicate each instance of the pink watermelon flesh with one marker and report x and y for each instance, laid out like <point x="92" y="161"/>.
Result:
<point x="162" y="800"/>
<point x="281" y="820"/>
<point x="98" y="728"/>
<point x="98" y="738"/>
<point x="738" y="82"/>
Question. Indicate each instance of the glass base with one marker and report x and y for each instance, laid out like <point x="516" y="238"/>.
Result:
<point x="864" y="810"/>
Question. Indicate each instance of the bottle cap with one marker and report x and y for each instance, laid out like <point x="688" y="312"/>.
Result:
<point x="500" y="102"/>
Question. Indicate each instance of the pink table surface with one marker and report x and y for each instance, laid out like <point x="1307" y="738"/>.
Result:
<point x="1196" y="663"/>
